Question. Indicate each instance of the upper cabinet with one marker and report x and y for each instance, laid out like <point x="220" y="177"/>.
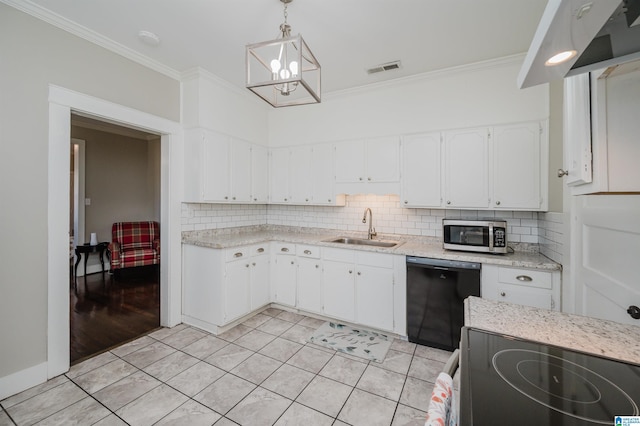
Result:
<point x="601" y="128"/>
<point x="303" y="175"/>
<point x="520" y="168"/>
<point x="421" y="170"/>
<point x="498" y="168"/>
<point x="220" y="168"/>
<point x="466" y="164"/>
<point x="368" y="166"/>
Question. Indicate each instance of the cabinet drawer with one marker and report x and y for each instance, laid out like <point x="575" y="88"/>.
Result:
<point x="523" y="296"/>
<point x="339" y="255"/>
<point x="283" y="248"/>
<point x="259" y="249"/>
<point x="525" y="277"/>
<point x="381" y="260"/>
<point x="308" y="251"/>
<point x="236" y="253"/>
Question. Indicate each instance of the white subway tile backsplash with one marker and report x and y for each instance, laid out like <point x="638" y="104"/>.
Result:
<point x="389" y="217"/>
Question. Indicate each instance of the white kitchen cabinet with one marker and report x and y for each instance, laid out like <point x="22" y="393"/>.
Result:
<point x="280" y="159"/>
<point x="421" y="170"/>
<point x="374" y="295"/>
<point x="601" y="130"/>
<point x="368" y="166"/>
<point x="237" y="285"/>
<point x="339" y="290"/>
<point x="519" y="172"/>
<point x="309" y="279"/>
<point x="219" y="168"/>
<point x="300" y="183"/>
<point x="323" y="177"/>
<point x="259" y="280"/>
<point x="284" y="274"/>
<point x="540" y="289"/>
<point x="259" y="174"/>
<point x="467" y="168"/>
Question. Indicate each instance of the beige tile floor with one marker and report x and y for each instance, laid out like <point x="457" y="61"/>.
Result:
<point x="261" y="372"/>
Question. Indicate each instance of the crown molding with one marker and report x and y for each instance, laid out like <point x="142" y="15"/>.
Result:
<point x="516" y="59"/>
<point x="65" y="24"/>
<point x="199" y="72"/>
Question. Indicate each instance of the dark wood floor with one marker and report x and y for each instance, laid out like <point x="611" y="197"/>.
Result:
<point x="107" y="312"/>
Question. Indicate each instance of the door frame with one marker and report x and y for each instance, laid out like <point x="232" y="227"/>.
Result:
<point x="62" y="102"/>
<point x="78" y="194"/>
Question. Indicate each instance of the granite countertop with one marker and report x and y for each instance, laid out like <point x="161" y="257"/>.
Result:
<point x="409" y="245"/>
<point x="584" y="334"/>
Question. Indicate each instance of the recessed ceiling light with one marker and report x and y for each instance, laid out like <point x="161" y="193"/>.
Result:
<point x="148" y="38"/>
<point x="561" y="57"/>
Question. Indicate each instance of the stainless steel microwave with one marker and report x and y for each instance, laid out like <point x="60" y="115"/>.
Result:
<point x="481" y="235"/>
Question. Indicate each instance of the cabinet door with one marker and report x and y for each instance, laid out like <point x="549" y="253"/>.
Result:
<point x="300" y="175"/>
<point x="236" y="298"/>
<point x="322" y="175"/>
<point x="383" y="159"/>
<point x="279" y="175"/>
<point x="310" y="285"/>
<point x="516" y="166"/>
<point x="421" y="171"/>
<point x="467" y="168"/>
<point x="259" y="281"/>
<point x="339" y="290"/>
<point x="240" y="171"/>
<point x="349" y="161"/>
<point x="215" y="157"/>
<point x="285" y="280"/>
<point x="374" y="296"/>
<point x="259" y="174"/>
<point x="577" y="129"/>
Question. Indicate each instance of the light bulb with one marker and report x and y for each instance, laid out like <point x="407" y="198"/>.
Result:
<point x="293" y="66"/>
<point x="275" y="66"/>
<point x="284" y="73"/>
<point x="560" y="57"/>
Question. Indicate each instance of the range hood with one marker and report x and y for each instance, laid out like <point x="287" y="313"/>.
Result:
<point x="593" y="34"/>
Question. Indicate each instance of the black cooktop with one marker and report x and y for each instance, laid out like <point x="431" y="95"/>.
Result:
<point x="506" y="380"/>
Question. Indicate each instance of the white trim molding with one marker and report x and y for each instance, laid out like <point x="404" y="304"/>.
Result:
<point x="61" y="103"/>
<point x="22" y="380"/>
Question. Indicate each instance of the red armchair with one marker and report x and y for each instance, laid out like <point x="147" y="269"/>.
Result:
<point x="134" y="244"/>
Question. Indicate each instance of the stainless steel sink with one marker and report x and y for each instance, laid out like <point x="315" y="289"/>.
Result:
<point x="364" y="242"/>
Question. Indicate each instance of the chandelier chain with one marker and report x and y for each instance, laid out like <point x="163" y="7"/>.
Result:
<point x="286" y="14"/>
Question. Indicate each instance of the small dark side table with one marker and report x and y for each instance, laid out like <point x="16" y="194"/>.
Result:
<point x="88" y="249"/>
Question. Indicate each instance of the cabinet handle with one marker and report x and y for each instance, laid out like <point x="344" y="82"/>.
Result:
<point x="292" y="262"/>
<point x="359" y="273"/>
<point x="254" y="263"/>
<point x="307" y="252"/>
<point x="233" y="198"/>
<point x="317" y="266"/>
<point x="448" y="202"/>
<point x="284" y="249"/>
<point x="247" y="265"/>
<point x="255" y="199"/>
<point x="497" y="203"/>
<point x="634" y="312"/>
<point x="524" y="278"/>
<point x="503" y="294"/>
<point x="238" y="254"/>
<point x="406" y="201"/>
<point x="369" y="179"/>
<point x="226" y="198"/>
<point x="285" y="199"/>
<point x="350" y="271"/>
<point x="260" y="250"/>
<point x="563" y="173"/>
<point x="360" y="178"/>
<point x="329" y="200"/>
<point x="306" y="199"/>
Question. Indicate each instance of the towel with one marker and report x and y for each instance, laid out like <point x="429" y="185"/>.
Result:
<point x="440" y="411"/>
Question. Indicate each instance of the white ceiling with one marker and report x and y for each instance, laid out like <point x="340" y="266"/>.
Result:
<point x="346" y="36"/>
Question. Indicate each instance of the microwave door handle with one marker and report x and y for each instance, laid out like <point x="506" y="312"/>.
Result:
<point x="491" y="237"/>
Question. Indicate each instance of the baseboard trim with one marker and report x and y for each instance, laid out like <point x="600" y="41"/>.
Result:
<point x="22" y="380"/>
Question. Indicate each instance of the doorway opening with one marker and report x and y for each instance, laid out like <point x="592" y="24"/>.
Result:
<point x="115" y="178"/>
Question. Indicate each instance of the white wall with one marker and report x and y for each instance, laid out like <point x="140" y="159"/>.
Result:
<point x="35" y="54"/>
<point x="480" y="94"/>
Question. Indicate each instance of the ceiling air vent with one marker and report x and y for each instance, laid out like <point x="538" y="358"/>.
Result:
<point x="389" y="66"/>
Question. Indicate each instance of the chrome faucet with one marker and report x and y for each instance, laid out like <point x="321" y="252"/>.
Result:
<point x="372" y="231"/>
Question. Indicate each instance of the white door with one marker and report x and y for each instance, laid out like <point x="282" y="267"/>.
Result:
<point x="237" y="300"/>
<point x="215" y="167"/>
<point x="300" y="175"/>
<point x="240" y="171"/>
<point x="421" y="171"/>
<point x="310" y="285"/>
<point x="383" y="159"/>
<point x="259" y="281"/>
<point x="259" y="174"/>
<point x="279" y="175"/>
<point x="349" y="161"/>
<point x="338" y="280"/>
<point x="285" y="279"/>
<point x="516" y="166"/>
<point x="467" y="168"/>
<point x="606" y="239"/>
<point x="374" y="296"/>
<point x="322" y="176"/>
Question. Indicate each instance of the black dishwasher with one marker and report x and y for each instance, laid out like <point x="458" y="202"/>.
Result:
<point x="436" y="290"/>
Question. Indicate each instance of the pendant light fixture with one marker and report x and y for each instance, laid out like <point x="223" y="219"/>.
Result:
<point x="283" y="71"/>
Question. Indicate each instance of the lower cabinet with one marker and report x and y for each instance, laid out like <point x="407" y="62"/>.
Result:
<point x="284" y="274"/>
<point x="309" y="279"/>
<point x="339" y="290"/>
<point x="259" y="281"/>
<point x="540" y="289"/>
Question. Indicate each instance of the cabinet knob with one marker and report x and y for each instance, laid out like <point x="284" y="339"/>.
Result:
<point x="350" y="271"/>
<point x="503" y="294"/>
<point x="226" y="198"/>
<point x="317" y="266"/>
<point x="448" y="201"/>
<point x="285" y="199"/>
<point x="406" y="201"/>
<point x="254" y="263"/>
<point x="247" y="265"/>
<point x="369" y="179"/>
<point x="255" y="199"/>
<point x="233" y="198"/>
<point x="562" y="173"/>
<point x="306" y="199"/>
<point x="359" y="273"/>
<point x="524" y="278"/>
<point x="497" y="203"/>
<point x="329" y="200"/>
<point x="360" y="178"/>
<point x="292" y="262"/>
<point x="634" y="312"/>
